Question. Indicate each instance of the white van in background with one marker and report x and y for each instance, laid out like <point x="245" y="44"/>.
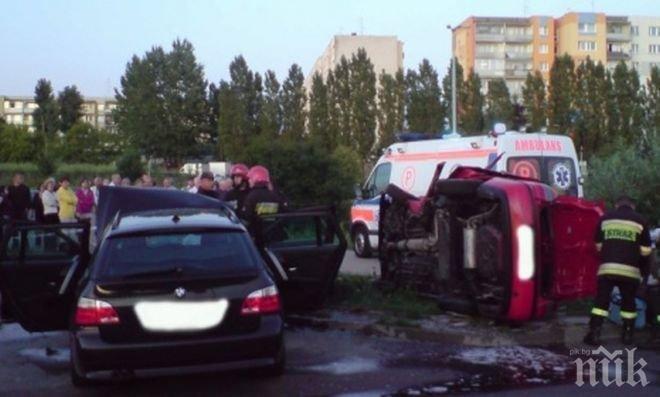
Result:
<point x="410" y="165"/>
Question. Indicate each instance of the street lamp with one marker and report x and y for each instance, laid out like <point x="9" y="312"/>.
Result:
<point x="453" y="81"/>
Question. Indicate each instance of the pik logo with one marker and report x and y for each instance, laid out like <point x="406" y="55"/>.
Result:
<point x="613" y="368"/>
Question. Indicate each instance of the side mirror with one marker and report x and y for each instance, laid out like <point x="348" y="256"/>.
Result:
<point x="358" y="191"/>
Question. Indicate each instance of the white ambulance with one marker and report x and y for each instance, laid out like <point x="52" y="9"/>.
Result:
<point x="411" y="164"/>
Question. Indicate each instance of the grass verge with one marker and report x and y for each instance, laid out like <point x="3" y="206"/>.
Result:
<point x="359" y="294"/>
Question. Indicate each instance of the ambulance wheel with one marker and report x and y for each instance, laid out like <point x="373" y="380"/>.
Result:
<point x="361" y="244"/>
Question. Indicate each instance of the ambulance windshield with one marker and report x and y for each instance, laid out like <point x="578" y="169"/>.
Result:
<point x="557" y="172"/>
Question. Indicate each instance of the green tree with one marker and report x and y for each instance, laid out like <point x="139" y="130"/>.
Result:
<point x="626" y="108"/>
<point x="499" y="106"/>
<point x="46" y="114"/>
<point x="86" y="144"/>
<point x="339" y="90"/>
<point x="130" y="164"/>
<point x="293" y="98"/>
<point x="214" y="111"/>
<point x="391" y="107"/>
<point x="426" y="112"/>
<point x="319" y="114"/>
<point x="460" y="91"/>
<point x="17" y="144"/>
<point x="239" y="102"/>
<point x="627" y="169"/>
<point x="561" y="93"/>
<point x="653" y="103"/>
<point x="472" y="104"/>
<point x="590" y="107"/>
<point x="162" y="106"/>
<point x="362" y="104"/>
<point x="316" y="177"/>
<point x="534" y="101"/>
<point x="70" y="104"/>
<point x="271" y="111"/>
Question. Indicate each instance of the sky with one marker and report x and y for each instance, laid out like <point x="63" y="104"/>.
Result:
<point x="89" y="42"/>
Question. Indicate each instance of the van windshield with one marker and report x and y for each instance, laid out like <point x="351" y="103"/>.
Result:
<point x="223" y="253"/>
<point x="557" y="172"/>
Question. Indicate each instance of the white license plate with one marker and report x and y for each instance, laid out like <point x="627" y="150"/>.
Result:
<point x="181" y="316"/>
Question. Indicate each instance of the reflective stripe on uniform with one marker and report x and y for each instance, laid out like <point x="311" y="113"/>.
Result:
<point x="599" y="312"/>
<point x="628" y="315"/>
<point x="619" y="269"/>
<point x="645" y="251"/>
<point x="622" y="224"/>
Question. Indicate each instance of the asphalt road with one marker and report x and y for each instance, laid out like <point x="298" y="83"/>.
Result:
<point x="354" y="265"/>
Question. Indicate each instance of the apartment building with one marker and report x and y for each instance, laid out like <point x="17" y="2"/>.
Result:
<point x="645" y="44"/>
<point x="96" y="111"/>
<point x="508" y="48"/>
<point x="385" y="53"/>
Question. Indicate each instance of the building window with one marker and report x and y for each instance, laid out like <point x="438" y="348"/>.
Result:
<point x="588" y="28"/>
<point x="545" y="67"/>
<point x="634" y="48"/>
<point x="587" y="45"/>
<point x="654" y="49"/>
<point x="543" y="30"/>
<point x="543" y="49"/>
<point x="654" y="30"/>
<point x="634" y="30"/>
<point x="12" y="104"/>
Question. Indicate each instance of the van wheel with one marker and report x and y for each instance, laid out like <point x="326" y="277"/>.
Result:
<point x="361" y="244"/>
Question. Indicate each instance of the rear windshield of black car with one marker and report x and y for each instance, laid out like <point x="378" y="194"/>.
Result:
<point x="189" y="253"/>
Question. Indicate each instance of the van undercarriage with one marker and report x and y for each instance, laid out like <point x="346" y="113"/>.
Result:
<point x="451" y="245"/>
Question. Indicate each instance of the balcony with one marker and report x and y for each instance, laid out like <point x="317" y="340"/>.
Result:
<point x="490" y="73"/>
<point x="516" y="73"/>
<point x="490" y="37"/>
<point x="619" y="36"/>
<point x="618" y="56"/>
<point x="518" y="55"/>
<point x="518" y="38"/>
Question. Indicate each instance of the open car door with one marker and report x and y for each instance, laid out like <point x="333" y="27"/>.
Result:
<point x="304" y="250"/>
<point x="571" y="250"/>
<point x="40" y="266"/>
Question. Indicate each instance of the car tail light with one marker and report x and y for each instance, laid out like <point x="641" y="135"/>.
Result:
<point x="92" y="312"/>
<point x="265" y="300"/>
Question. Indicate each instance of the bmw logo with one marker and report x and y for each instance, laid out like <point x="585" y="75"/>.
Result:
<point x="180" y="292"/>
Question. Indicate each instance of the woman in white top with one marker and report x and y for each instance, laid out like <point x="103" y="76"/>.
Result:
<point x="49" y="200"/>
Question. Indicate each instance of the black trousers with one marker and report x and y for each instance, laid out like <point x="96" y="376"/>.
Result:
<point x="628" y="289"/>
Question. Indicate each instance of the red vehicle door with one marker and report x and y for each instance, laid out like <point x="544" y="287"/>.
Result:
<point x="574" y="258"/>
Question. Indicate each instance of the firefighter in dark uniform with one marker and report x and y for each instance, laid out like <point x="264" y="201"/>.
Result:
<point x="261" y="200"/>
<point x="624" y="243"/>
<point x="240" y="188"/>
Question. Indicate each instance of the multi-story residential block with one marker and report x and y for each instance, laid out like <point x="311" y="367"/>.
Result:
<point x="645" y="44"/>
<point x="508" y="48"/>
<point x="95" y="111"/>
<point x="385" y="53"/>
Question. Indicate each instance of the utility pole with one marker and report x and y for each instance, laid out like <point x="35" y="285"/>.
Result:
<point x="453" y="81"/>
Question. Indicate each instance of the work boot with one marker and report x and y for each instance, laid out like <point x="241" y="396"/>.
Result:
<point x="628" y="333"/>
<point x="593" y="336"/>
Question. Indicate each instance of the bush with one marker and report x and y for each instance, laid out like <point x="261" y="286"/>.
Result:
<point x="130" y="164"/>
<point x="306" y="173"/>
<point x="76" y="172"/>
<point x="631" y="171"/>
<point x="17" y="144"/>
